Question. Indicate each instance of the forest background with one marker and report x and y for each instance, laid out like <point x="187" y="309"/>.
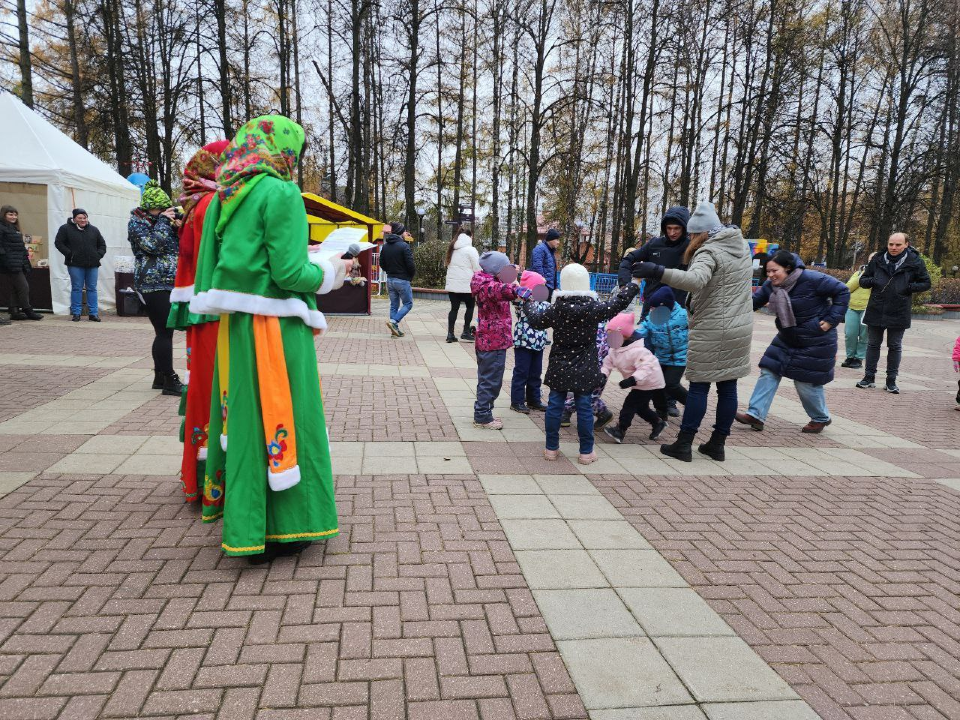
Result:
<point x="822" y="125"/>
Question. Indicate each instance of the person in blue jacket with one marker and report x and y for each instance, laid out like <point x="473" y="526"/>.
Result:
<point x="665" y="334"/>
<point x="543" y="260"/>
<point x="808" y="305"/>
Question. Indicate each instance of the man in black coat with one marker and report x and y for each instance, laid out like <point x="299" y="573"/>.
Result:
<point x="892" y="278"/>
<point x="396" y="260"/>
<point x="666" y="250"/>
<point x="83" y="247"/>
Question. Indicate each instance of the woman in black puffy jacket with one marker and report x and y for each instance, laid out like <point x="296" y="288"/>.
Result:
<point x="15" y="264"/>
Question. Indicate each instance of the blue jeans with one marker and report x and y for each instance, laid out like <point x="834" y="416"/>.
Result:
<point x="80" y="278"/>
<point x="584" y="420"/>
<point x="490" y="367"/>
<point x="811" y="396"/>
<point x="696" y="406"/>
<point x="401" y="298"/>
<point x="527" y="366"/>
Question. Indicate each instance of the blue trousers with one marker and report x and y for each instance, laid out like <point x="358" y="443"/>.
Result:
<point x="401" y="298"/>
<point x="696" y="406"/>
<point x="584" y="420"/>
<point x="527" y="368"/>
<point x="811" y="397"/>
<point x="490" y="367"/>
<point x="80" y="278"/>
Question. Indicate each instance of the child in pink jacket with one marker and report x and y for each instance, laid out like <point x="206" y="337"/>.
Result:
<point x="956" y="367"/>
<point x="641" y="374"/>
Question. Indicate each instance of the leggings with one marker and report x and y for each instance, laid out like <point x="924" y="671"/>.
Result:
<point x="455" y="300"/>
<point x="158" y="309"/>
<point x="19" y="293"/>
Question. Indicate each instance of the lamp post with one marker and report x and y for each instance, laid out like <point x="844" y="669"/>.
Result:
<point x="421" y="211"/>
<point x="955" y="269"/>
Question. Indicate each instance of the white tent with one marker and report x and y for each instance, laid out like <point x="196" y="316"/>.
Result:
<point x="45" y="175"/>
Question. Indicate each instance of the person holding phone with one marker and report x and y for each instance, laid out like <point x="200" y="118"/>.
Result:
<point x="152" y="233"/>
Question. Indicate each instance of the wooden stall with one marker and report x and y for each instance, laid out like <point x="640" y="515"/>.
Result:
<point x="324" y="217"/>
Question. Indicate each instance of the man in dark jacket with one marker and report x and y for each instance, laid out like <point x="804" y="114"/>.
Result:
<point x="82" y="247"/>
<point x="893" y="277"/>
<point x="666" y="250"/>
<point x="396" y="260"/>
<point x="543" y="259"/>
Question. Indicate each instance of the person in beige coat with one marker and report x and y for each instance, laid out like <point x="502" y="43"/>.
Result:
<point x="718" y="278"/>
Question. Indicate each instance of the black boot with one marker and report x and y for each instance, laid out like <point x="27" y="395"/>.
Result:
<point x="172" y="385"/>
<point x="157" y="380"/>
<point x="714" y="446"/>
<point x="451" y="337"/>
<point x="681" y="449"/>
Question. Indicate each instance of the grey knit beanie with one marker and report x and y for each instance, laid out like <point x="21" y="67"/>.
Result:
<point x="492" y="262"/>
<point x="704" y="219"/>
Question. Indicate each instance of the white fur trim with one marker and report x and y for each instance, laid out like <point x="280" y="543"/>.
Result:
<point x="574" y="293"/>
<point x="284" y="480"/>
<point x="186" y="378"/>
<point x="329" y="272"/>
<point x="202" y="454"/>
<point x="223" y="442"/>
<point x="215" y="302"/>
<point x="181" y="294"/>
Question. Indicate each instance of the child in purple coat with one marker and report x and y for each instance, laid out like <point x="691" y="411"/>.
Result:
<point x="494" y="287"/>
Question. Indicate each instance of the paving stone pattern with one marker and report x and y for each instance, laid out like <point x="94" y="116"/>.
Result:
<point x="806" y="577"/>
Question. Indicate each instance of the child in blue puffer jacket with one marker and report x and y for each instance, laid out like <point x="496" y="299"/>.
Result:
<point x="665" y="331"/>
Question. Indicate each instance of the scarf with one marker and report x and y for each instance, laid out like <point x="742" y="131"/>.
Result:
<point x="153" y="197"/>
<point x="893" y="264"/>
<point x="199" y="175"/>
<point x="780" y="299"/>
<point x="267" y="145"/>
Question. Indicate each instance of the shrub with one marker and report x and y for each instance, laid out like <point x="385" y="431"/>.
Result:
<point x="947" y="291"/>
<point x="429" y="257"/>
<point x="839" y="273"/>
<point x="935" y="275"/>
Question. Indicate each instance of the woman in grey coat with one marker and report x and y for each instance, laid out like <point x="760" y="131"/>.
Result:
<point x="718" y="278"/>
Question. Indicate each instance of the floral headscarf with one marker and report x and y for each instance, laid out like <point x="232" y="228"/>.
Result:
<point x="200" y="174"/>
<point x="267" y="145"/>
<point x="153" y="197"/>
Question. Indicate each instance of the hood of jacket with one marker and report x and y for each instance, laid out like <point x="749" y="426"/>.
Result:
<point x="391" y="238"/>
<point x="677" y="215"/>
<point x="463" y="240"/>
<point x="728" y="242"/>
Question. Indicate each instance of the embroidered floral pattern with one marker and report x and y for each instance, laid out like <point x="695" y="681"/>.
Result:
<point x="213" y="488"/>
<point x="278" y="446"/>
<point x="198" y="436"/>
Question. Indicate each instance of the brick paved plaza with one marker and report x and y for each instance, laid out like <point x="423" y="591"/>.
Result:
<point x="808" y="576"/>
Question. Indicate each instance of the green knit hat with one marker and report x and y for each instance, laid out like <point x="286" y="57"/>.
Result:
<point x="154" y="198"/>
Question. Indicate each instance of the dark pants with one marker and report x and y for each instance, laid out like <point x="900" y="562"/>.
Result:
<point x="455" y="300"/>
<point x="696" y="406"/>
<point x="672" y="374"/>
<point x="638" y="403"/>
<point x="894" y="350"/>
<point x="158" y="309"/>
<point x="527" y="368"/>
<point x="19" y="293"/>
<point x="490" y="366"/>
<point x="584" y="420"/>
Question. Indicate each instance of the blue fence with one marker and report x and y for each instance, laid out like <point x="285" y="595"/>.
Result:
<point x="604" y="284"/>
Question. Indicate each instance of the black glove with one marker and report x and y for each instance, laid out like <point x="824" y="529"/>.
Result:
<point x="647" y="270"/>
<point x="628" y="382"/>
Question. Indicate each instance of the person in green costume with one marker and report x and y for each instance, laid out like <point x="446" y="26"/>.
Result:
<point x="269" y="477"/>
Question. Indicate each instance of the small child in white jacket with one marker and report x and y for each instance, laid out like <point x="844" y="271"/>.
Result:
<point x="641" y="374"/>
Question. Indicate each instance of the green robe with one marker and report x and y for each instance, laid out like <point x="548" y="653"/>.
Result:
<point x="261" y="266"/>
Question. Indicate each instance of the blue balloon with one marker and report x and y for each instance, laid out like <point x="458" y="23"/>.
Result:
<point x="138" y="179"/>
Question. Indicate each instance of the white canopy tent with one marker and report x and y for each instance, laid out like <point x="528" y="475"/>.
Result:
<point x="45" y="175"/>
